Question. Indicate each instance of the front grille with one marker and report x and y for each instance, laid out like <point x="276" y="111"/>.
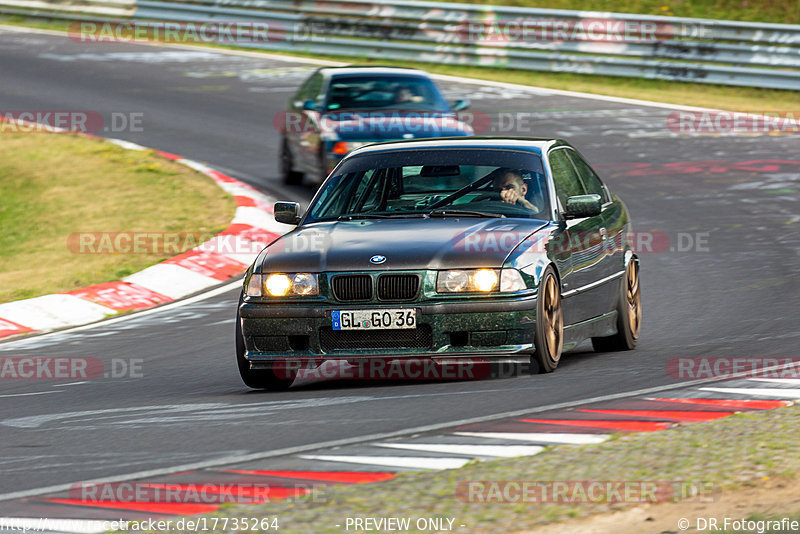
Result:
<point x="352" y="287"/>
<point x="415" y="338"/>
<point x="398" y="286"/>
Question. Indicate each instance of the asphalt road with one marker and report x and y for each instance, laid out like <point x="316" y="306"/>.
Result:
<point x="733" y="295"/>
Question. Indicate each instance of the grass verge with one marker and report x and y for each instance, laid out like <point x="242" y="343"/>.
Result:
<point x="780" y="11"/>
<point x="752" y="99"/>
<point x="54" y="186"/>
<point x="721" y="456"/>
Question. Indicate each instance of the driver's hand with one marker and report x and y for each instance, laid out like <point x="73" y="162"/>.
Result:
<point x="509" y="196"/>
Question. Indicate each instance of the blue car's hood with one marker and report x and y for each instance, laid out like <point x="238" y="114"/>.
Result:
<point x="389" y="125"/>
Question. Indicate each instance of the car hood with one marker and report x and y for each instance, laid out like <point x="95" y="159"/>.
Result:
<point x="390" y="125"/>
<point x="407" y="244"/>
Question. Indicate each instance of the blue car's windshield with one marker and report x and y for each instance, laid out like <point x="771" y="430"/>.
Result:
<point x="384" y="92"/>
<point x="435" y="183"/>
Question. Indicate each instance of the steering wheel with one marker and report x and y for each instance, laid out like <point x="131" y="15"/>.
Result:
<point x="488" y="195"/>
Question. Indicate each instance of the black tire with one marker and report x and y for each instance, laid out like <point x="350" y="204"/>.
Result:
<point x="549" y="338"/>
<point x="258" y="378"/>
<point x="629" y="313"/>
<point x="289" y="175"/>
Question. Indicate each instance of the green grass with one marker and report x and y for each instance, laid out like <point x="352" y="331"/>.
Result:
<point x="718" y="456"/>
<point x="781" y="11"/>
<point x="55" y="186"/>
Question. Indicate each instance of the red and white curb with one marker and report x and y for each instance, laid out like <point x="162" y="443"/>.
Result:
<point x="226" y="255"/>
<point x="205" y="489"/>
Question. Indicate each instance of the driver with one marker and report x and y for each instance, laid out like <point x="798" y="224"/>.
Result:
<point x="404" y="94"/>
<point x="512" y="188"/>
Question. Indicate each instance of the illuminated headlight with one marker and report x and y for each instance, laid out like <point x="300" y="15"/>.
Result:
<point x="479" y="281"/>
<point x="283" y="285"/>
<point x="466" y="281"/>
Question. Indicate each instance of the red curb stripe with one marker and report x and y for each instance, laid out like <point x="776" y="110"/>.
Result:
<point x="167" y="155"/>
<point x="153" y="507"/>
<point x="222" y="177"/>
<point x="9" y="328"/>
<point x="346" y="477"/>
<point x="244" y="202"/>
<point x="207" y="263"/>
<point x="663" y="414"/>
<point x="633" y="426"/>
<point x="121" y="296"/>
<point x="733" y="403"/>
<point x="253" y="495"/>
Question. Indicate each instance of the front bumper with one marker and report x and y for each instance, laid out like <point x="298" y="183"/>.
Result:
<point x="481" y="328"/>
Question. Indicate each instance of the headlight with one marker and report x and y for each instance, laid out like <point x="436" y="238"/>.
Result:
<point x="283" y="285"/>
<point x="511" y="280"/>
<point x="479" y="281"/>
<point x="466" y="281"/>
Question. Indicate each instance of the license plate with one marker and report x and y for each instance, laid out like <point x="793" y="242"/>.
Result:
<point x="396" y="319"/>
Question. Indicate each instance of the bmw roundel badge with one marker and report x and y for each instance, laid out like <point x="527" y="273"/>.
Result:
<point x="377" y="259"/>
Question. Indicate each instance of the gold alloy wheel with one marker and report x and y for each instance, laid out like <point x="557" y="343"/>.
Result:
<point x="634" y="297"/>
<point x="553" y="320"/>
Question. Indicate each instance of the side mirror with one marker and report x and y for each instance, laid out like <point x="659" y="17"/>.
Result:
<point x="581" y="206"/>
<point x="287" y="212"/>
<point x="460" y="105"/>
<point x="309" y="105"/>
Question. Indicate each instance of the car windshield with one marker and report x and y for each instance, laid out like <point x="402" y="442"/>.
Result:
<point x="435" y="183"/>
<point x="415" y="93"/>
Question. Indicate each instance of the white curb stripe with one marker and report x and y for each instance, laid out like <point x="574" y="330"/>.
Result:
<point x="260" y="219"/>
<point x="765" y="392"/>
<point x="792" y="381"/>
<point x="196" y="165"/>
<point x="127" y="144"/>
<point x="394" y="461"/>
<point x="500" y="451"/>
<point x="536" y="437"/>
<point x="54" y="311"/>
<point x="171" y="280"/>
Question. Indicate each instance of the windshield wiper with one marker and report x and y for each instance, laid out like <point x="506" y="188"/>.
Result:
<point x="464" y="213"/>
<point x="449" y="199"/>
<point x="357" y="216"/>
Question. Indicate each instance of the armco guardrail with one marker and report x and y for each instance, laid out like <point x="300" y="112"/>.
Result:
<point x="615" y="44"/>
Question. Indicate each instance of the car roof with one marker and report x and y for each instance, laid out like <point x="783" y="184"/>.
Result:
<point x="378" y="70"/>
<point x="536" y="145"/>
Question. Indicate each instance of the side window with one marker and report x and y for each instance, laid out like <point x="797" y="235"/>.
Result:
<point x="564" y="176"/>
<point x="309" y="90"/>
<point x="590" y="179"/>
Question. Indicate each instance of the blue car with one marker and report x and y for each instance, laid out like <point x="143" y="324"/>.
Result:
<point x="338" y="109"/>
